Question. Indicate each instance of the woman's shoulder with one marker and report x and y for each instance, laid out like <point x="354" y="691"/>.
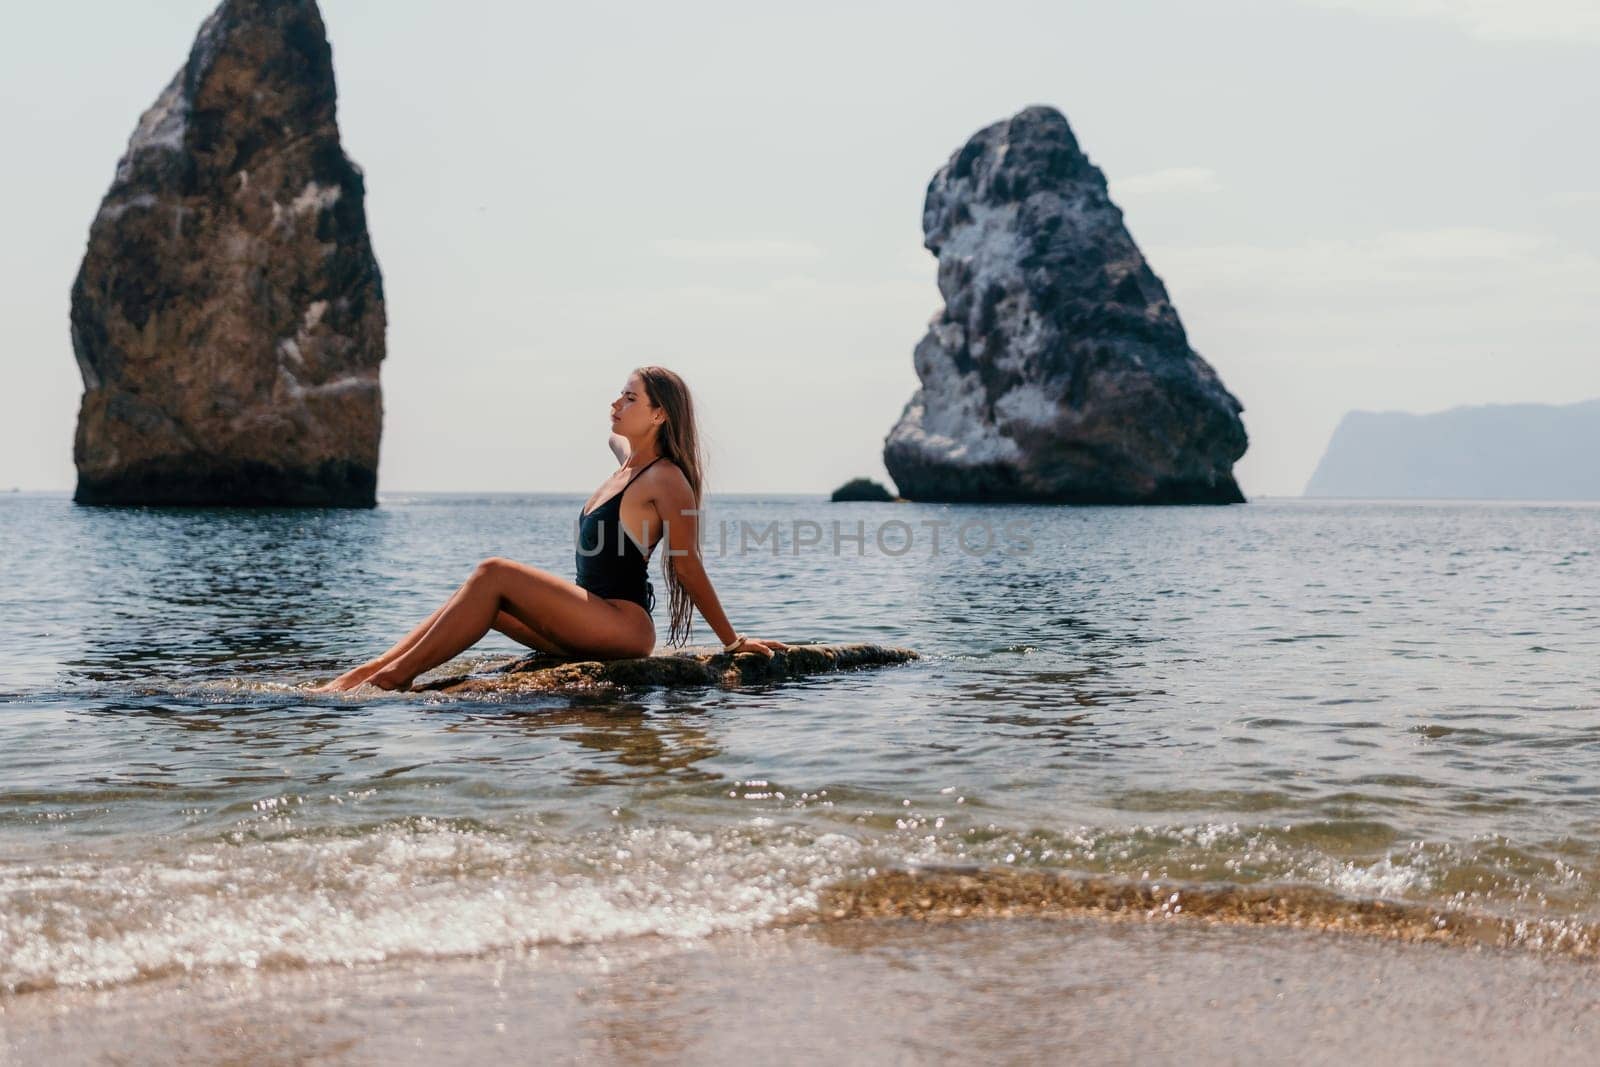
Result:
<point x="665" y="467"/>
<point x="664" y="474"/>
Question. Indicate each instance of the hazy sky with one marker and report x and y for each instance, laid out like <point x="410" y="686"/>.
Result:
<point x="1383" y="204"/>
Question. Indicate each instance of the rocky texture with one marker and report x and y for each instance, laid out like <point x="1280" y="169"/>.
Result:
<point x="995" y="892"/>
<point x="1496" y="452"/>
<point x="228" y="318"/>
<point x="1057" y="370"/>
<point x="861" y="489"/>
<point x="690" y="667"/>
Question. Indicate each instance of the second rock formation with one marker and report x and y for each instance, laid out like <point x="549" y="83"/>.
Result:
<point x="1057" y="370"/>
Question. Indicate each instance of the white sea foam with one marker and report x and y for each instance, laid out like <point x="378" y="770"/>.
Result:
<point x="420" y="890"/>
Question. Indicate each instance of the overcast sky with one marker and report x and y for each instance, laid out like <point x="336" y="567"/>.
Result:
<point x="1380" y="204"/>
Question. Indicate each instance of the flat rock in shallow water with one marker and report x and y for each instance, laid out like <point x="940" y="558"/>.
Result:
<point x="690" y="667"/>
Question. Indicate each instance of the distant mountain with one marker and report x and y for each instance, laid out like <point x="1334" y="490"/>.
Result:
<point x="1496" y="452"/>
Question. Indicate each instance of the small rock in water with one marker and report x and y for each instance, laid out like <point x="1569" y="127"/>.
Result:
<point x="861" y="489"/>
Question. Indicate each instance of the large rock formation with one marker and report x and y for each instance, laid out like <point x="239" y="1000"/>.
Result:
<point x="1495" y="452"/>
<point x="1057" y="370"/>
<point x="228" y="318"/>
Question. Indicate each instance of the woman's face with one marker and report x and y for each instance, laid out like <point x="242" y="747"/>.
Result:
<point x="632" y="414"/>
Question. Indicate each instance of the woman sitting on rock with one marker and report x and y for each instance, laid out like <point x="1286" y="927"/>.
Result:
<point x="606" y="613"/>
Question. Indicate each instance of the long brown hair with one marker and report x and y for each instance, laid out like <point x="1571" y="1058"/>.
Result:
<point x="678" y="439"/>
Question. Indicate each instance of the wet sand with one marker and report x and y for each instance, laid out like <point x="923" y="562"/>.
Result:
<point x="862" y="991"/>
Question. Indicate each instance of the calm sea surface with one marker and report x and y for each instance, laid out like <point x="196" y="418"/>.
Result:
<point x="1378" y="700"/>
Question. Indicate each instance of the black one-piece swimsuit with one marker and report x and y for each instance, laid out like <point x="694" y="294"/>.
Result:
<point x="609" y="563"/>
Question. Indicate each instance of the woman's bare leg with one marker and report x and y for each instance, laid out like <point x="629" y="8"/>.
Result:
<point x="565" y="615"/>
<point x="509" y="625"/>
<point x="522" y="633"/>
<point x="357" y="675"/>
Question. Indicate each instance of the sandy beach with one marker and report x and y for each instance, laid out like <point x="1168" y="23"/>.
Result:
<point x="864" y="991"/>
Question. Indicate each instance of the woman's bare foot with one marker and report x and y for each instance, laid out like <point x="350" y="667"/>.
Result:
<point x="351" y="678"/>
<point x="389" y="678"/>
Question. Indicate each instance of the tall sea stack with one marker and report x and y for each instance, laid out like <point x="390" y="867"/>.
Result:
<point x="1057" y="370"/>
<point x="228" y="317"/>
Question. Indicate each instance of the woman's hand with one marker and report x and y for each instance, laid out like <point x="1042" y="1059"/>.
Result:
<point x="765" y="648"/>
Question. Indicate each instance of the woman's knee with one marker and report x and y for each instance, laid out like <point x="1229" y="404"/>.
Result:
<point x="491" y="568"/>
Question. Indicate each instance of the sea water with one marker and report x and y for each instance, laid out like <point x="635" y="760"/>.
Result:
<point x="1354" y="700"/>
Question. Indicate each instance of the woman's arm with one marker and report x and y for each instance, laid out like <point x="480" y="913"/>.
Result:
<point x="681" y="538"/>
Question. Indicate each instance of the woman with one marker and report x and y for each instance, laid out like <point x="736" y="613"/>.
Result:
<point x="606" y="613"/>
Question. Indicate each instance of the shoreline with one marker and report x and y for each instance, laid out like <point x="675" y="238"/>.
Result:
<point x="1020" y="990"/>
<point x="935" y="896"/>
